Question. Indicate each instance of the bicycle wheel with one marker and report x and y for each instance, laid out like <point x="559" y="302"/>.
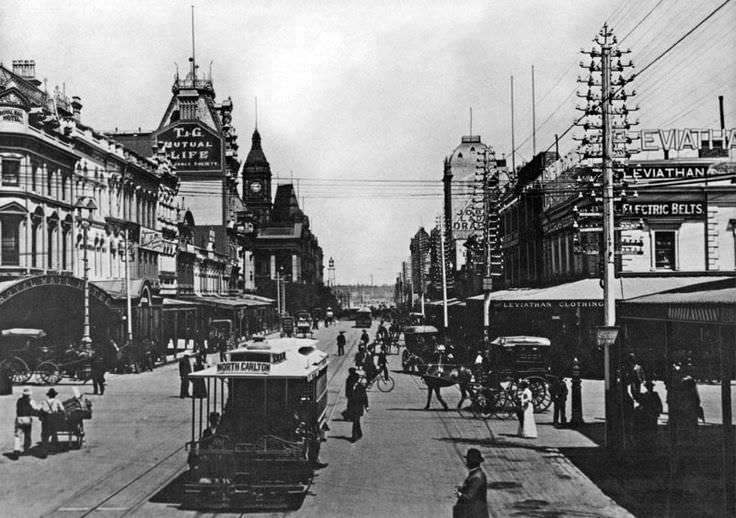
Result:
<point x="19" y="371"/>
<point x="49" y="372"/>
<point x="385" y="385"/>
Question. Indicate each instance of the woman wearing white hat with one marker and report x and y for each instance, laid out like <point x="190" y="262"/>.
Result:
<point x="527" y="426"/>
<point x="25" y="408"/>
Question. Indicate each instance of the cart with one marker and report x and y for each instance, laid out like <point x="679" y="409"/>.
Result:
<point x="69" y="424"/>
<point x="303" y="324"/>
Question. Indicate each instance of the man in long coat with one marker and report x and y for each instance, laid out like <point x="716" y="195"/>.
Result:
<point x="472" y="495"/>
<point x="185" y="367"/>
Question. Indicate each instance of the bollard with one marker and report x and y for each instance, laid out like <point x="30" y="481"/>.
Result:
<point x="577" y="400"/>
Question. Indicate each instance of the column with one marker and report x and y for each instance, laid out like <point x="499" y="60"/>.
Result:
<point x="272" y="272"/>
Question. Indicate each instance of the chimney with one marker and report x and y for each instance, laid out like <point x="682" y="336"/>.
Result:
<point x="77" y="107"/>
<point x="26" y="68"/>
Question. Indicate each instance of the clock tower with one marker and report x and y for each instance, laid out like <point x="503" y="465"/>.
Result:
<point x="257" y="181"/>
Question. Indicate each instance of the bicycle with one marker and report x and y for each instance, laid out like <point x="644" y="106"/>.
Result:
<point x="384" y="384"/>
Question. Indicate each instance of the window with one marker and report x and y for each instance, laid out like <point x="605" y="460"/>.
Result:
<point x="10" y="172"/>
<point x="10" y="245"/>
<point x="664" y="250"/>
<point x="50" y="183"/>
<point x="34" y="172"/>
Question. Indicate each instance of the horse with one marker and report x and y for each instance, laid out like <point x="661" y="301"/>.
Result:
<point x="441" y="375"/>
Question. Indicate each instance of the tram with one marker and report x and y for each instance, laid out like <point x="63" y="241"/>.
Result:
<point x="364" y="318"/>
<point x="248" y="446"/>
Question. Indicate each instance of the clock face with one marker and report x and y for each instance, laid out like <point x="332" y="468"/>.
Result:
<point x="256" y="187"/>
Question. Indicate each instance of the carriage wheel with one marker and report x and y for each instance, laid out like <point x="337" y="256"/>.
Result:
<point x="49" y="373"/>
<point x="19" y="371"/>
<point x="541" y="398"/>
<point x="505" y="405"/>
<point x="79" y="432"/>
<point x="385" y="385"/>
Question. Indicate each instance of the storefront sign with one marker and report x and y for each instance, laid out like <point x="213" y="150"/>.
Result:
<point x="548" y="304"/>
<point x="686" y="138"/>
<point x="666" y="209"/>
<point x="243" y="368"/>
<point x="669" y="171"/>
<point x="192" y="147"/>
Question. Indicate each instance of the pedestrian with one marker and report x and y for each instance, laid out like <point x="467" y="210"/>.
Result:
<point x="25" y="409"/>
<point x="185" y="368"/>
<point x="49" y="414"/>
<point x="635" y="376"/>
<point x="97" y="368"/>
<point x="341" y="343"/>
<point x="199" y="389"/>
<point x="472" y="495"/>
<point x="527" y="426"/>
<point x="357" y="404"/>
<point x="646" y="416"/>
<point x="558" y="391"/>
<point x="364" y="338"/>
<point x="361" y="357"/>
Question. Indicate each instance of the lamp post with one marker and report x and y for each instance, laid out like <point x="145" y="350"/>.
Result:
<point x="85" y="203"/>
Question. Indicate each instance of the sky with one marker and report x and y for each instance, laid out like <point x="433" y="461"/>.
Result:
<point x="351" y="91"/>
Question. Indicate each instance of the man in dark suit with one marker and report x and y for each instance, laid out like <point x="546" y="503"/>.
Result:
<point x="350" y="382"/>
<point x="185" y="368"/>
<point x="471" y="496"/>
<point x="341" y="343"/>
<point x="357" y="404"/>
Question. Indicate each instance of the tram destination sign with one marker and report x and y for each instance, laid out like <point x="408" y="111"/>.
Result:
<point x="243" y="368"/>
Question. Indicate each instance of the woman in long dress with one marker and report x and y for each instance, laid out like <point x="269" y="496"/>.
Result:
<point x="527" y="426"/>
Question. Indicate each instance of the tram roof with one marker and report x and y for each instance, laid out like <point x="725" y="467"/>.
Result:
<point x="272" y="358"/>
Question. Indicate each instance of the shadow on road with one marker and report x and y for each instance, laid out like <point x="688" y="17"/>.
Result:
<point x="173" y="495"/>
<point x="684" y="481"/>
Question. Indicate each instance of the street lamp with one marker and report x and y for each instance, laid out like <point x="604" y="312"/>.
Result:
<point x="86" y="204"/>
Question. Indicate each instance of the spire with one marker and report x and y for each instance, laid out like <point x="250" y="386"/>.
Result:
<point x="256" y="113"/>
<point x="256" y="157"/>
<point x="193" y="60"/>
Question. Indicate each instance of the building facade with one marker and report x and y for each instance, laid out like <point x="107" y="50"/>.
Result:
<point x="49" y="162"/>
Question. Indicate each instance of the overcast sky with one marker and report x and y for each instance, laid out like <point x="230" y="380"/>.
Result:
<point x="372" y="90"/>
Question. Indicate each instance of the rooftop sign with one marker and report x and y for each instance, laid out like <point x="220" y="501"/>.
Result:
<point x="686" y="138"/>
<point x="191" y="146"/>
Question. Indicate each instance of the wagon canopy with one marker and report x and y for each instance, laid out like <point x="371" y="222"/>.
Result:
<point x="513" y="341"/>
<point x="420" y="330"/>
<point x="23" y="331"/>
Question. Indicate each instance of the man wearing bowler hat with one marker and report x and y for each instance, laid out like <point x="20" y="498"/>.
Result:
<point x="471" y="496"/>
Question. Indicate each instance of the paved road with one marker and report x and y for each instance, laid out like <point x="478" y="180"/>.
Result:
<point x="407" y="464"/>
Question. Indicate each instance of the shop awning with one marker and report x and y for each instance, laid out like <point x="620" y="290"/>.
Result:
<point x="230" y="302"/>
<point x="625" y="288"/>
<point x="711" y="303"/>
<point x="116" y="287"/>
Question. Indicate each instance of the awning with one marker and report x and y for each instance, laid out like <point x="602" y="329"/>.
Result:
<point x="116" y="287"/>
<point x="708" y="303"/>
<point x="591" y="290"/>
<point x="230" y="302"/>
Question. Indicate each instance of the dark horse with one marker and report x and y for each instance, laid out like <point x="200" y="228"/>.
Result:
<point x="441" y="375"/>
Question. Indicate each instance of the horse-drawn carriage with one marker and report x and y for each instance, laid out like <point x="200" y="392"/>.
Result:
<point x="303" y="324"/>
<point x="25" y="352"/>
<point x="523" y="357"/>
<point x="420" y="343"/>
<point x="493" y="383"/>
